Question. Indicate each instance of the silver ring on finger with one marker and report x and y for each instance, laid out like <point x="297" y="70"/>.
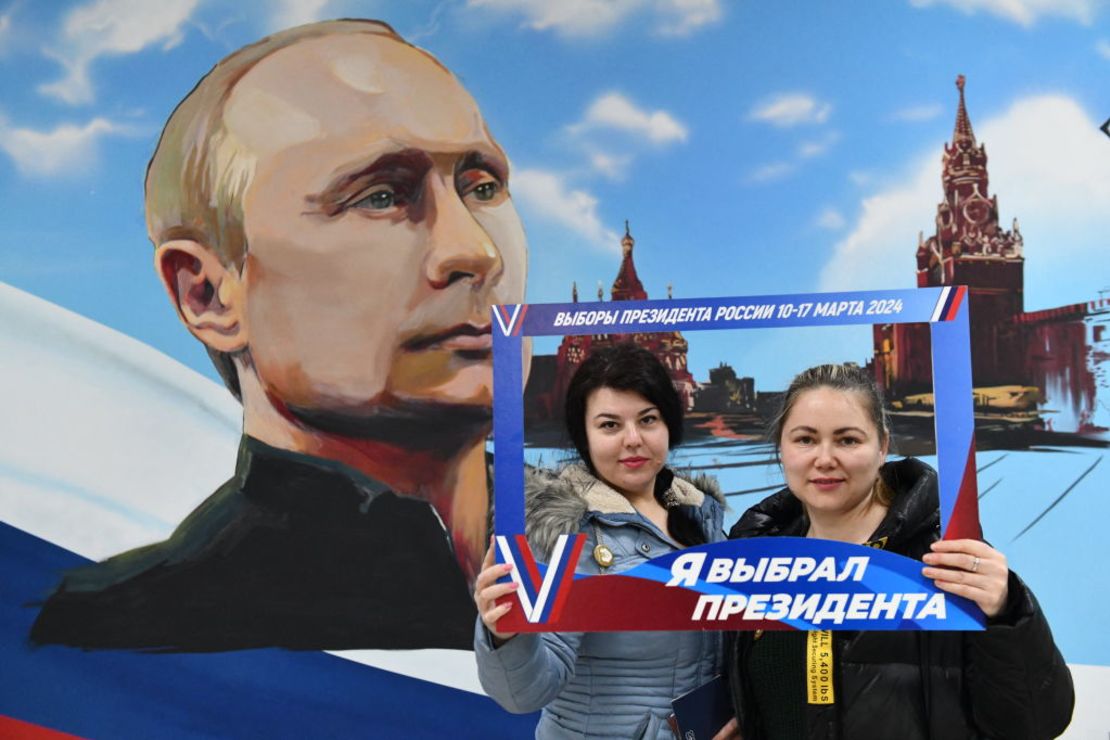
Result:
<point x="975" y="565"/>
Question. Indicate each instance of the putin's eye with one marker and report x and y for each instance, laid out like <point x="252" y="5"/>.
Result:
<point x="480" y="185"/>
<point x="381" y="198"/>
<point x="487" y="191"/>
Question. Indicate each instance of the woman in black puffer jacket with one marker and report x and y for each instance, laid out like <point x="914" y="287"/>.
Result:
<point x="1008" y="681"/>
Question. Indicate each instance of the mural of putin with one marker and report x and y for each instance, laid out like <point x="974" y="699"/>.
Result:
<point x="332" y="219"/>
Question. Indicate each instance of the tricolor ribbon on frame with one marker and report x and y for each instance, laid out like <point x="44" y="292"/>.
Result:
<point x="541" y="596"/>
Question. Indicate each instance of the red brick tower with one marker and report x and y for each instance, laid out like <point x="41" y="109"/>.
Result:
<point x="970" y="249"/>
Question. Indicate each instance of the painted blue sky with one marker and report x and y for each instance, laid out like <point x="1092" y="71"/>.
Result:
<point x="755" y="147"/>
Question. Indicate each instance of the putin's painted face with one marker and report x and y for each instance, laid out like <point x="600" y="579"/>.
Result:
<point x="379" y="231"/>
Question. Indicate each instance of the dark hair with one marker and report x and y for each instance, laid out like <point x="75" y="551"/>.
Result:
<point x="624" y="367"/>
<point x="847" y="378"/>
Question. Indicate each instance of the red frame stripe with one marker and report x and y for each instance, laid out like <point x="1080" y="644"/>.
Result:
<point x="529" y="564"/>
<point x="964" y="522"/>
<point x="16" y="729"/>
<point x="950" y="314"/>
<point x="520" y="320"/>
<point x="570" y="564"/>
<point x="504" y="311"/>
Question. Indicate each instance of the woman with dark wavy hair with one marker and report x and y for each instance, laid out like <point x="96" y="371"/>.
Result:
<point x="623" y="416"/>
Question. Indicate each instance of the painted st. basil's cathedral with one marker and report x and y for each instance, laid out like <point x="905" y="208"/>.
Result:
<point x="669" y="347"/>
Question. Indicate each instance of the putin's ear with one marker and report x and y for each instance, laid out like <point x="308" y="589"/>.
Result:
<point x="207" y="294"/>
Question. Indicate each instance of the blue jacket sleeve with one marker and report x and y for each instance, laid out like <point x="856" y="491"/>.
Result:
<point x="528" y="671"/>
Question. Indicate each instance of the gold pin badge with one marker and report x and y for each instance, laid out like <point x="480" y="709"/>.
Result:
<point x="603" y="556"/>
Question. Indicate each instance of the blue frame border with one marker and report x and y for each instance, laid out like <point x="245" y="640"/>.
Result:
<point x="944" y="309"/>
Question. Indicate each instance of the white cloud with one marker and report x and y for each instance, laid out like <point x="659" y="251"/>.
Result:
<point x="568" y="17"/>
<point x="612" y="166"/>
<point x="5" y="29"/>
<point x="1023" y="12"/>
<point x="831" y="219"/>
<point x="809" y="149"/>
<point x="878" y="252"/>
<point x="546" y="195"/>
<point x="781" y="169"/>
<point x="66" y="150"/>
<point x="683" y="17"/>
<point x="1057" y="192"/>
<point x="111" y="27"/>
<point x="860" y="178"/>
<point x="1103" y="48"/>
<point x="611" y="155"/>
<point x="431" y="25"/>
<point x="916" y="113"/>
<point x="791" y="109"/>
<point x="770" y="172"/>
<point x="815" y="148"/>
<point x="615" y="111"/>
<point x="594" y="18"/>
<point x="289" y="13"/>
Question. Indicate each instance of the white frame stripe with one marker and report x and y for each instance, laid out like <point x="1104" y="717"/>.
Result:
<point x="533" y="611"/>
<point x="940" y="303"/>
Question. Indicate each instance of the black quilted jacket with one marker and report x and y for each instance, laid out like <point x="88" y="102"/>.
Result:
<point x="1008" y="681"/>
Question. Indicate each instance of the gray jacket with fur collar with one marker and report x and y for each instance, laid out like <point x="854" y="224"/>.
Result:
<point x="603" y="684"/>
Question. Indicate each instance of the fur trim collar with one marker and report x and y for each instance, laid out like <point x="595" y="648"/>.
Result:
<point x="556" y="502"/>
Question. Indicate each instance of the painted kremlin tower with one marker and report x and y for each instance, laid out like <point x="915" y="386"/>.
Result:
<point x="1057" y="359"/>
<point x="669" y="347"/>
<point x="968" y="248"/>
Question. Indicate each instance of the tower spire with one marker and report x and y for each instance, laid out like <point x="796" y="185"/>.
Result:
<point x="627" y="286"/>
<point x="962" y="130"/>
<point x="967" y="225"/>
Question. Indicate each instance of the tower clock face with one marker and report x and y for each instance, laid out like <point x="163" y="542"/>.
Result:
<point x="976" y="211"/>
<point x="944" y="216"/>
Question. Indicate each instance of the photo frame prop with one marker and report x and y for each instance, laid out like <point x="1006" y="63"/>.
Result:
<point x="761" y="583"/>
